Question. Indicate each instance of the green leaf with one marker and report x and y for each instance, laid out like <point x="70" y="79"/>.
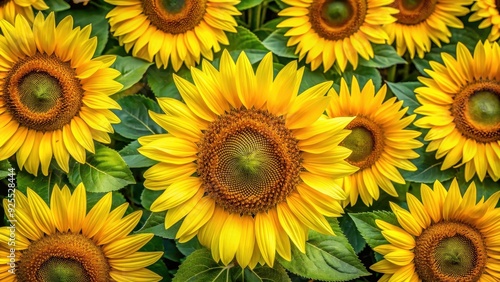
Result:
<point x="57" y="5"/>
<point x="155" y="223"/>
<point x="116" y="198"/>
<point x="429" y="169"/>
<point x="162" y="82"/>
<point x="103" y="171"/>
<point x="328" y="258"/>
<point x="200" y="266"/>
<point x="135" y="119"/>
<point x="363" y="75"/>
<point x="485" y="188"/>
<point x="385" y="56"/>
<point x="244" y="40"/>
<point x="246" y="4"/>
<point x="350" y="231"/>
<point x="365" y="222"/>
<point x="265" y="273"/>
<point x="189" y="247"/>
<point x="132" y="70"/>
<point x="311" y="78"/>
<point x="405" y="91"/>
<point x="276" y="42"/>
<point x="41" y="184"/>
<point x="149" y="196"/>
<point x="91" y="15"/>
<point x="4" y="169"/>
<point x="133" y="158"/>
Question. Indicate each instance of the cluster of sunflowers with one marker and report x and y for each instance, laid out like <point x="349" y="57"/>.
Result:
<point x="252" y="140"/>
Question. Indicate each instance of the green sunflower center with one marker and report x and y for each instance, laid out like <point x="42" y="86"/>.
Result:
<point x="39" y="91"/>
<point x="248" y="161"/>
<point x="174" y="16"/>
<point x="337" y="13"/>
<point x="476" y="109"/>
<point x="449" y="252"/>
<point x="63" y="257"/>
<point x="42" y="93"/>
<point x="412" y="12"/>
<point x="337" y="19"/>
<point x="365" y="141"/>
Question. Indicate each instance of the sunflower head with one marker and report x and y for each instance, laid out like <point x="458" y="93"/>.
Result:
<point x="444" y="237"/>
<point x="54" y="99"/>
<point x="461" y="106"/>
<point x="329" y="31"/>
<point x="421" y="22"/>
<point x="246" y="160"/>
<point x="180" y="32"/>
<point x="379" y="142"/>
<point x="62" y="242"/>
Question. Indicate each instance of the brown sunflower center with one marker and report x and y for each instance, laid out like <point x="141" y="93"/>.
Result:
<point x="476" y="110"/>
<point x="449" y="252"/>
<point x="248" y="161"/>
<point x="365" y="141"/>
<point x="412" y="12"/>
<point x="337" y="19"/>
<point x="63" y="257"/>
<point x="42" y="92"/>
<point x="174" y="16"/>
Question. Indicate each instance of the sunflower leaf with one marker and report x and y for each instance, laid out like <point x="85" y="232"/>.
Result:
<point x="200" y="266"/>
<point x="365" y="223"/>
<point x="246" y="4"/>
<point x="135" y="119"/>
<point x="103" y="171"/>
<point x="405" y="92"/>
<point x="4" y="169"/>
<point x="133" y="158"/>
<point x="276" y="42"/>
<point x="429" y="169"/>
<point x="132" y="70"/>
<point x="328" y="258"/>
<point x="385" y="56"/>
<point x="243" y="40"/>
<point x="362" y="74"/>
<point x="40" y="184"/>
<point x="162" y="82"/>
<point x="265" y="273"/>
<point x="57" y="5"/>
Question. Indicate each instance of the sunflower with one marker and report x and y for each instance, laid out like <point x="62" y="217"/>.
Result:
<point x="180" y="31"/>
<point x="330" y="31"/>
<point x="379" y="143"/>
<point x="10" y="8"/>
<point x="54" y="98"/>
<point x="65" y="243"/>
<point x="461" y="106"/>
<point x="446" y="237"/>
<point x="487" y="11"/>
<point x="247" y="163"/>
<point x="421" y="21"/>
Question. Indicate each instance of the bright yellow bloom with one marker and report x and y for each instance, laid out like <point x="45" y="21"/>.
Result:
<point x="65" y="243"/>
<point x="9" y="9"/>
<point x="54" y="98"/>
<point x="336" y="31"/>
<point x="422" y="21"/>
<point x="177" y="31"/>
<point x="247" y="163"/>
<point x="445" y="237"/>
<point x="461" y="107"/>
<point x="487" y="11"/>
<point x="379" y="142"/>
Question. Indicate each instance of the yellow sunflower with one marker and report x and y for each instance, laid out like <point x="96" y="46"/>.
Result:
<point x="10" y="8"/>
<point x="65" y="243"/>
<point x="487" y="11"/>
<point x="461" y="106"/>
<point x="379" y="143"/>
<point x="421" y="21"/>
<point x="247" y="163"/>
<point x="330" y="31"/>
<point x="54" y="98"/>
<point x="446" y="237"/>
<point x="180" y="31"/>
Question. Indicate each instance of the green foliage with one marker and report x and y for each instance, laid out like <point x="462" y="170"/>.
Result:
<point x="103" y="171"/>
<point x="365" y="222"/>
<point x="131" y="69"/>
<point x="385" y="56"/>
<point x="327" y="258"/>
